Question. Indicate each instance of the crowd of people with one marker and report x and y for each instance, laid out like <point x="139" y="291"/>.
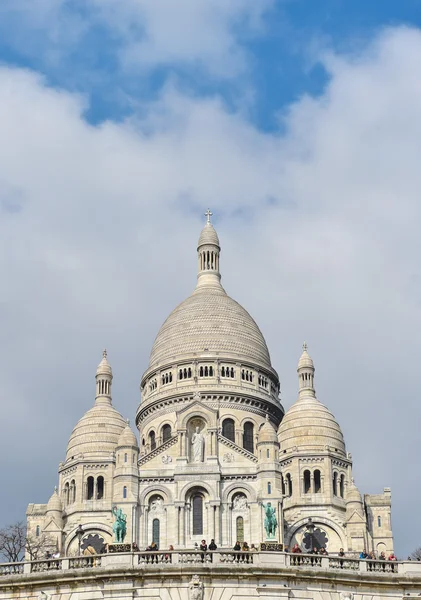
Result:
<point x="238" y="547"/>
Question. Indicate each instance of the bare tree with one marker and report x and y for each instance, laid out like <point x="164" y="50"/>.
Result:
<point x="14" y="542"/>
<point x="416" y="554"/>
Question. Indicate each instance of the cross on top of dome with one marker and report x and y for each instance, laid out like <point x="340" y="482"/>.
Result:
<point x="208" y="215"/>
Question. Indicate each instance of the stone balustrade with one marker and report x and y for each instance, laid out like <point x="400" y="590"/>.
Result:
<point x="218" y="558"/>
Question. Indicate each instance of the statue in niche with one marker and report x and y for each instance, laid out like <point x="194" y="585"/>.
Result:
<point x="198" y="444"/>
<point x="157" y="504"/>
<point x="240" y="502"/>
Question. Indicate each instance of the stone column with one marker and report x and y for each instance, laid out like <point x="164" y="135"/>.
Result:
<point x="312" y="486"/>
<point x="218" y="540"/>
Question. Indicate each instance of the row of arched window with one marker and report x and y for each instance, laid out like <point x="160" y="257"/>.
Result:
<point x="209" y="371"/>
<point x="246" y="375"/>
<point x="103" y="387"/>
<point x="312" y="484"/>
<point x="69" y="492"/>
<point x="228" y="431"/>
<point x="95" y="488"/>
<point x="166" y="435"/>
<point x="263" y="381"/>
<point x="338" y="484"/>
<point x="185" y="373"/>
<point x="206" y="371"/>
<point x="208" y="261"/>
<point x="227" y="372"/>
<point x="166" y="378"/>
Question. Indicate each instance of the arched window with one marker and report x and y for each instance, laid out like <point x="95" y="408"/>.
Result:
<point x="180" y="374"/>
<point x="73" y="494"/>
<point x="223" y="372"/>
<point x="37" y="531"/>
<point x="189" y="372"/>
<point x="307" y="482"/>
<point x="152" y="440"/>
<point x="289" y="484"/>
<point x="125" y="492"/>
<point x="342" y="485"/>
<point x="317" y="482"/>
<point x="283" y="485"/>
<point x="90" y="488"/>
<point x="201" y="372"/>
<point x="269" y="487"/>
<point x="125" y="457"/>
<point x="379" y="521"/>
<point x="268" y="453"/>
<point x="155" y="531"/>
<point x="197" y="515"/>
<point x="248" y="435"/>
<point x="66" y="493"/>
<point x="240" y="529"/>
<point x="100" y="487"/>
<point x="166" y="432"/>
<point x="335" y="484"/>
<point x="228" y="429"/>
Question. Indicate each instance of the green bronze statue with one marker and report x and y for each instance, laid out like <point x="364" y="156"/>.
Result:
<point x="271" y="522"/>
<point x="120" y="525"/>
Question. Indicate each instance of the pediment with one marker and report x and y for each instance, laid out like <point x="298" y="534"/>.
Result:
<point x="355" y="518"/>
<point x="197" y="408"/>
<point x="51" y="526"/>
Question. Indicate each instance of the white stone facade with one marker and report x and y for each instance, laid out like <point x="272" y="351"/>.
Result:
<point x="215" y="446"/>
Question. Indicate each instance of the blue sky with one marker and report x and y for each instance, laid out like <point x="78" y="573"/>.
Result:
<point x="298" y="123"/>
<point x="79" y="48"/>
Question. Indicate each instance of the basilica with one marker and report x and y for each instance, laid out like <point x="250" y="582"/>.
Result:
<point x="215" y="452"/>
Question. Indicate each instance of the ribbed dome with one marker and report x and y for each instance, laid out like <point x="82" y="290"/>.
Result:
<point x="54" y="503"/>
<point x="127" y="438"/>
<point x="97" y="432"/>
<point x="209" y="320"/>
<point x="208" y="236"/>
<point x="267" y="433"/>
<point x="353" y="494"/>
<point x="309" y="425"/>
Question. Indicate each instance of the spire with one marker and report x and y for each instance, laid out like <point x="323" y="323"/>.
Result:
<point x="104" y="377"/>
<point x="305" y="372"/>
<point x="208" y="251"/>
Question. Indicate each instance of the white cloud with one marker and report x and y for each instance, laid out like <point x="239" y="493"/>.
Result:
<point x="320" y="239"/>
<point x="143" y="34"/>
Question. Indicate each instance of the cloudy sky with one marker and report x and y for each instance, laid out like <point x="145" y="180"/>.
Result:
<point x="298" y="123"/>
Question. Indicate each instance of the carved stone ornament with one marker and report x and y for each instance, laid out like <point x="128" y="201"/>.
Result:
<point x="197" y="396"/>
<point x="228" y="457"/>
<point x="347" y="596"/>
<point x="166" y="459"/>
<point x="195" y="588"/>
<point x="239" y="502"/>
<point x="157" y="505"/>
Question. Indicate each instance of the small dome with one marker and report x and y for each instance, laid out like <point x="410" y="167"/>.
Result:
<point x="267" y="433"/>
<point x="353" y="494"/>
<point x="97" y="433"/>
<point x="305" y="362"/>
<point x="208" y="236"/>
<point x="104" y="367"/>
<point x="127" y="438"/>
<point x="55" y="503"/>
<point x="309" y="425"/>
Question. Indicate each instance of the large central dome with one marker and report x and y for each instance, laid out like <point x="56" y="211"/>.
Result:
<point x="209" y="321"/>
